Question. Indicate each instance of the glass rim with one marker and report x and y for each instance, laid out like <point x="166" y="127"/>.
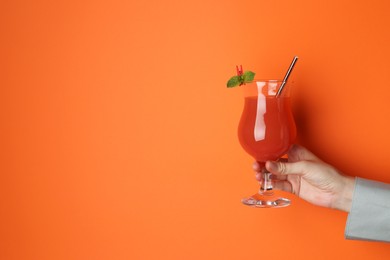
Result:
<point x="252" y="88"/>
<point x="266" y="80"/>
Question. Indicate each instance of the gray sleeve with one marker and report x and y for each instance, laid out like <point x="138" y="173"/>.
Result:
<point x="369" y="218"/>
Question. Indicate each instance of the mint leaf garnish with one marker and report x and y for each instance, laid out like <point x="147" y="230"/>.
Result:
<point x="233" y="82"/>
<point x="248" y="76"/>
<point x="241" y="78"/>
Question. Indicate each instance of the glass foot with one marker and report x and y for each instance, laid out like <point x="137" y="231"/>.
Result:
<point x="266" y="201"/>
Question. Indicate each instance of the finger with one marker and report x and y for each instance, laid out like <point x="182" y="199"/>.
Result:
<point x="283" y="185"/>
<point x="256" y="167"/>
<point x="274" y="177"/>
<point x="298" y="153"/>
<point x="278" y="177"/>
<point x="283" y="168"/>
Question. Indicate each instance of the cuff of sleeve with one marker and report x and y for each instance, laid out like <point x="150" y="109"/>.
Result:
<point x="369" y="218"/>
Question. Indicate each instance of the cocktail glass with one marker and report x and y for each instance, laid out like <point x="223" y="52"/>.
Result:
<point x="266" y="131"/>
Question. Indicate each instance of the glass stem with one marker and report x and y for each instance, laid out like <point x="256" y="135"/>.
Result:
<point x="266" y="184"/>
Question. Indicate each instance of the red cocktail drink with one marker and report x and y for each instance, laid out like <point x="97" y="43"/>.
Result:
<point x="267" y="132"/>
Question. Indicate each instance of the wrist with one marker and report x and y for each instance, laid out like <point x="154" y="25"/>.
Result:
<point x="344" y="200"/>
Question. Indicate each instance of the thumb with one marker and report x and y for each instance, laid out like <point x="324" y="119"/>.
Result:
<point x="285" y="168"/>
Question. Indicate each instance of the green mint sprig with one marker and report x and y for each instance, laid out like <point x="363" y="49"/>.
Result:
<point x="241" y="78"/>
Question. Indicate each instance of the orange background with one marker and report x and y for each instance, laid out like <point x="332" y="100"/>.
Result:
<point x="118" y="135"/>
